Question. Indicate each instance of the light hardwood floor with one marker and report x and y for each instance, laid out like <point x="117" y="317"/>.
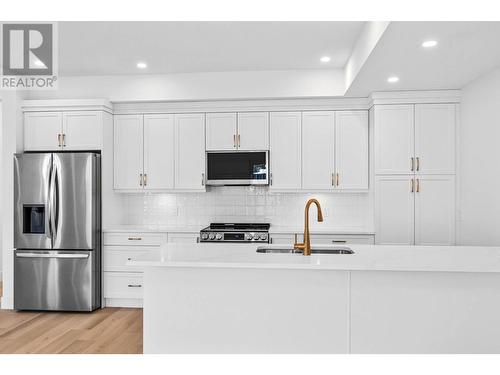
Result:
<point x="110" y="330"/>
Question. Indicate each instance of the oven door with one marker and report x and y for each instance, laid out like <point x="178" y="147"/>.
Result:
<point x="237" y="168"/>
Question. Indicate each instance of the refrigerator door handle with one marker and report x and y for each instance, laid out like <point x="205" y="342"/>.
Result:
<point x="52" y="182"/>
<point x="49" y="203"/>
<point x="56" y="201"/>
<point x="48" y="255"/>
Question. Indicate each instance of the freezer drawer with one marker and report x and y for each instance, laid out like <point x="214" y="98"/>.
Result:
<point x="56" y="280"/>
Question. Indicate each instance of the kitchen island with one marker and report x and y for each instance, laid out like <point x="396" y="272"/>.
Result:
<point x="227" y="298"/>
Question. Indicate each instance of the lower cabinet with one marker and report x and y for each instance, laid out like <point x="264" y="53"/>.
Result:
<point x="415" y="209"/>
<point x="184" y="237"/>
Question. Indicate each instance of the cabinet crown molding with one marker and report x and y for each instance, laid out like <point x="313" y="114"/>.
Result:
<point x="56" y="105"/>
<point x="414" y="97"/>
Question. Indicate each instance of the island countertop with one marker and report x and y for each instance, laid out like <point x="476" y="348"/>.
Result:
<point x="365" y="258"/>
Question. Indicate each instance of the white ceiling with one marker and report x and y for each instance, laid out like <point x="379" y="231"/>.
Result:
<point x="110" y="48"/>
<point x="465" y="51"/>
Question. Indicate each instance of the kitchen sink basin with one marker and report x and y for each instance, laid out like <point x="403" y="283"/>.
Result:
<point x="291" y="250"/>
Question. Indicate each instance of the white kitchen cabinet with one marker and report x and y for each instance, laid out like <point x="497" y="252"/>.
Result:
<point x="416" y="210"/>
<point x="253" y="131"/>
<point x="66" y="130"/>
<point x="323" y="239"/>
<point x="435" y="210"/>
<point x="183" y="237"/>
<point x="318" y="150"/>
<point x="246" y="131"/>
<point x="159" y="152"/>
<point x="435" y="138"/>
<point x="285" y="150"/>
<point x="190" y="151"/>
<point x="82" y="130"/>
<point x="394" y="210"/>
<point x="128" y="152"/>
<point x="221" y="131"/>
<point x="42" y="131"/>
<point x="351" y="150"/>
<point x="394" y="139"/>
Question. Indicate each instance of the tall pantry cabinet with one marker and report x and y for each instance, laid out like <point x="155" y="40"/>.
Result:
<point x="414" y="166"/>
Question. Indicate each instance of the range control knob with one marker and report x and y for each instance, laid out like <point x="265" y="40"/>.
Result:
<point x="263" y="236"/>
<point x="204" y="236"/>
<point x="248" y="236"/>
<point x="211" y="236"/>
<point x="218" y="236"/>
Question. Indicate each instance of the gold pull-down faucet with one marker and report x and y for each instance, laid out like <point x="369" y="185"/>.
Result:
<point x="306" y="245"/>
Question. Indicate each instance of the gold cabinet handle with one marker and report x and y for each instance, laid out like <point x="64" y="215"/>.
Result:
<point x="270" y="178"/>
<point x="135" y="238"/>
<point x="234" y="140"/>
<point x="134" y="285"/>
<point x="412" y="164"/>
<point x="59" y="140"/>
<point x="338" y="179"/>
<point x="203" y="179"/>
<point x="418" y="185"/>
<point x="145" y="179"/>
<point x="418" y="163"/>
<point x="140" y="179"/>
<point x="239" y="141"/>
<point x="64" y="140"/>
<point x="333" y="179"/>
<point x="412" y="185"/>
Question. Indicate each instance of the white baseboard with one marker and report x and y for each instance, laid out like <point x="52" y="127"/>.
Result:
<point x="122" y="302"/>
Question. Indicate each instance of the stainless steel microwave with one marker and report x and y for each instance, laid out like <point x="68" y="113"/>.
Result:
<point x="237" y="168"/>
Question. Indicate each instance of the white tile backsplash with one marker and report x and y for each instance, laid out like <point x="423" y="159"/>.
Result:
<point x="243" y="204"/>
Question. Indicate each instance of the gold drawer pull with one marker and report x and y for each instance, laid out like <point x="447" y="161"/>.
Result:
<point x="135" y="238"/>
<point x="412" y="185"/>
<point x="418" y="185"/>
<point x="134" y="285"/>
<point x="418" y="163"/>
<point x="339" y="241"/>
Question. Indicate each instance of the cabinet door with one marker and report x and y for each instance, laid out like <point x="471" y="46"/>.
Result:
<point x="253" y="131"/>
<point x="82" y="130"/>
<point x="285" y="150"/>
<point x="221" y="131"/>
<point x="190" y="151"/>
<point x="42" y="131"/>
<point x="435" y="210"/>
<point x="128" y="152"/>
<point x="351" y="150"/>
<point x="159" y="152"/>
<point x="318" y="150"/>
<point x="394" y="139"/>
<point x="394" y="210"/>
<point x="435" y="138"/>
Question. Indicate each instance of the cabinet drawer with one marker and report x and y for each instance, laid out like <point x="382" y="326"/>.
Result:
<point x="184" y="237"/>
<point x="115" y="258"/>
<point x="133" y="239"/>
<point x="122" y="285"/>
<point x="325" y="239"/>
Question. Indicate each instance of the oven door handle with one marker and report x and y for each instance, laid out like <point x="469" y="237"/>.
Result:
<point x="48" y="255"/>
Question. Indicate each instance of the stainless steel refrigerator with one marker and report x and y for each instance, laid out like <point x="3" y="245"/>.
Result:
<point x="57" y="231"/>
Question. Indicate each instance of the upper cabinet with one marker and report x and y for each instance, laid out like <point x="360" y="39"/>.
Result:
<point x="253" y="131"/>
<point x="159" y="152"/>
<point x="285" y="150"/>
<point x="415" y="139"/>
<point x="318" y="150"/>
<point x="394" y="139"/>
<point x="65" y="125"/>
<point x="435" y="138"/>
<point x="335" y="150"/>
<point x="247" y="131"/>
<point x="190" y="151"/>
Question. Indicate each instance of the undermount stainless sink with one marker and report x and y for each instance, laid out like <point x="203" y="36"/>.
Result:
<point x="291" y="250"/>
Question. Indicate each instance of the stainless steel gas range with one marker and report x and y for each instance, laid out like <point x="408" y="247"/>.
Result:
<point x="236" y="232"/>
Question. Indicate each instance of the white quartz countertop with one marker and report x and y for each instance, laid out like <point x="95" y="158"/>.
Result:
<point x="273" y="230"/>
<point x="365" y="258"/>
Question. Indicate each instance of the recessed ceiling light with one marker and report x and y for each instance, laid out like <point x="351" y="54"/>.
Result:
<point x="393" y="79"/>
<point x="429" y="43"/>
<point x="142" y="65"/>
<point x="325" y="59"/>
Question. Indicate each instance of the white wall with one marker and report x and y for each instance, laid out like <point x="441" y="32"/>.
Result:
<point x="479" y="160"/>
<point x="201" y="86"/>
